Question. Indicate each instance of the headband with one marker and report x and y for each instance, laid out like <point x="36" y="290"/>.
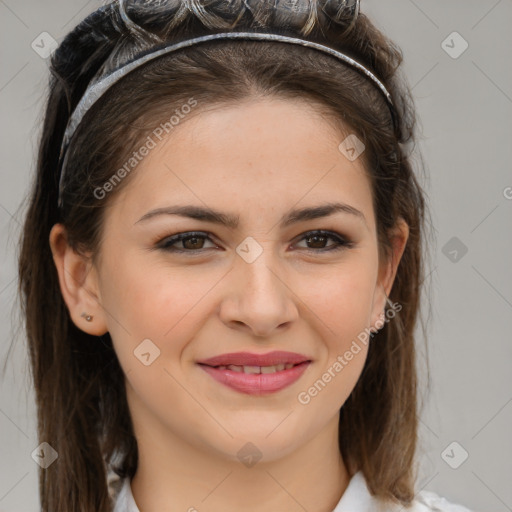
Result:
<point x="99" y="87"/>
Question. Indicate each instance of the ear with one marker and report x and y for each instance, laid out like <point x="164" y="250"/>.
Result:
<point x="387" y="272"/>
<point x="78" y="283"/>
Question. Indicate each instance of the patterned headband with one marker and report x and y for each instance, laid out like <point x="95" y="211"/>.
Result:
<point x="97" y="88"/>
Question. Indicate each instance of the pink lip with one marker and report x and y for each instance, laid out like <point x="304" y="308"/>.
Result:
<point x="250" y="359"/>
<point x="257" y="383"/>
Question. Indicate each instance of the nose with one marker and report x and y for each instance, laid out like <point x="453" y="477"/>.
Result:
<point x="258" y="300"/>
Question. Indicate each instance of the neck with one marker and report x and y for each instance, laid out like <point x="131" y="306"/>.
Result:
<point x="173" y="474"/>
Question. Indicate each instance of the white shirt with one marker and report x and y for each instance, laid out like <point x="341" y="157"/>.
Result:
<point x="356" y="498"/>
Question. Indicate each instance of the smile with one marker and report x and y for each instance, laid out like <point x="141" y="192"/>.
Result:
<point x="257" y="380"/>
<point x="257" y="369"/>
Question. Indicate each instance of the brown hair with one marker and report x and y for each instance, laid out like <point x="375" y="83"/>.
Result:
<point x="79" y="384"/>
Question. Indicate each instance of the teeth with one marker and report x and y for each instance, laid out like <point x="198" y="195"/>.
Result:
<point x="252" y="369"/>
<point x="272" y="369"/>
<point x="257" y="369"/>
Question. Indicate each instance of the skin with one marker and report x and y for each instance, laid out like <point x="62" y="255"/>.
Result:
<point x="257" y="160"/>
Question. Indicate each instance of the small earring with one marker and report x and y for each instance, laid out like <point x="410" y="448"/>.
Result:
<point x="86" y="316"/>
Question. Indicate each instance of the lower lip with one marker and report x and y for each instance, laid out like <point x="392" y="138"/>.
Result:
<point x="257" y="383"/>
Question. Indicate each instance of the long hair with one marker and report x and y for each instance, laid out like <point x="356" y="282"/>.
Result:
<point x="82" y="410"/>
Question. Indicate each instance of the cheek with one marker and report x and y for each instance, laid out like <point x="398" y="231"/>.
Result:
<point x="153" y="301"/>
<point x="163" y="302"/>
<point x="343" y="311"/>
<point x="341" y="304"/>
<point x="343" y="299"/>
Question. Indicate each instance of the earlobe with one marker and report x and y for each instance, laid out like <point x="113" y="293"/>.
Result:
<point x="78" y="284"/>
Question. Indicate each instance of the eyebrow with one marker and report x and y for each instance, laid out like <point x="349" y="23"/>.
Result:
<point x="232" y="221"/>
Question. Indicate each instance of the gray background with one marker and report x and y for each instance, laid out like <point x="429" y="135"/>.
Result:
<point x="465" y="107"/>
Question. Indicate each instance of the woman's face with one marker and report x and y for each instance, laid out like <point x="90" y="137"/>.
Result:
<point x="263" y="283"/>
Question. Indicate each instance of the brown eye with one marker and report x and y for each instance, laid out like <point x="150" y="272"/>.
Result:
<point x="191" y="242"/>
<point x="317" y="241"/>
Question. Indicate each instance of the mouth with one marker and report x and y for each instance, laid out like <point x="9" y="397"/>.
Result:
<point x="249" y="359"/>
<point x="256" y="374"/>
<point x="256" y="369"/>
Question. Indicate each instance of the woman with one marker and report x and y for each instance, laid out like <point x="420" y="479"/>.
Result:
<point x="222" y="260"/>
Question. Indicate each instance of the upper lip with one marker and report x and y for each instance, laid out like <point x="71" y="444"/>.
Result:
<point x="251" y="359"/>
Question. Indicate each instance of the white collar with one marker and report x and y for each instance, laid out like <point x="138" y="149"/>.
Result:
<point x="356" y="498"/>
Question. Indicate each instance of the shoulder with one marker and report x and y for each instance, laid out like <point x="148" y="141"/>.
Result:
<point x="115" y="488"/>
<point x="427" y="501"/>
<point x="357" y="498"/>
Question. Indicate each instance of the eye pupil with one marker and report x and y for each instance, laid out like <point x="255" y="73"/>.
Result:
<point x="315" y="239"/>
<point x="195" y="241"/>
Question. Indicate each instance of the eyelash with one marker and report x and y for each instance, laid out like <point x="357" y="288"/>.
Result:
<point x="166" y="243"/>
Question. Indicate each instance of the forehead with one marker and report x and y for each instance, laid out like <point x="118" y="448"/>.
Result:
<point x="257" y="156"/>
